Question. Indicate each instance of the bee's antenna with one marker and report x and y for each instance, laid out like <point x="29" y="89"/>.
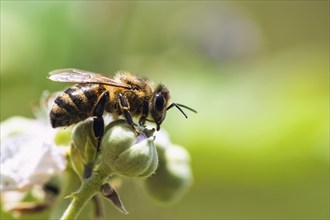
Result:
<point x="177" y="105"/>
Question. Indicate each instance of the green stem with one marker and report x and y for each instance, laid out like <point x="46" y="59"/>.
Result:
<point x="87" y="190"/>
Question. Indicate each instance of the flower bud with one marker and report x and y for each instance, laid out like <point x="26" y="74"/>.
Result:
<point x="173" y="176"/>
<point x="83" y="131"/>
<point x="84" y="148"/>
<point x="127" y="154"/>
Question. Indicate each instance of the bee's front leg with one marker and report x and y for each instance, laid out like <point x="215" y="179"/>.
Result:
<point x="124" y="106"/>
<point x="145" y="110"/>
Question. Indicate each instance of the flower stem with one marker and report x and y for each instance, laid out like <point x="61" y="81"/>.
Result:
<point x="87" y="190"/>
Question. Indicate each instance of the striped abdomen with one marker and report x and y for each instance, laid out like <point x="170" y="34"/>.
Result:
<point x="75" y="104"/>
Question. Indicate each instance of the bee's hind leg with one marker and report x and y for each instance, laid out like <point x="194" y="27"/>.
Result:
<point x="98" y="126"/>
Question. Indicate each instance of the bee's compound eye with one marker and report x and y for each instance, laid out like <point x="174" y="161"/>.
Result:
<point x="134" y="87"/>
<point x="160" y="101"/>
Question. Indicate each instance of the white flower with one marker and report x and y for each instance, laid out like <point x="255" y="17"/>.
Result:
<point x="28" y="154"/>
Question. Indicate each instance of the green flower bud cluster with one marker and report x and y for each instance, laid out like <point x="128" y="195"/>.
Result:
<point x="123" y="153"/>
<point x="127" y="154"/>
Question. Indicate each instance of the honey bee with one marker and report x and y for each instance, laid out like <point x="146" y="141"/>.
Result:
<point x="125" y="96"/>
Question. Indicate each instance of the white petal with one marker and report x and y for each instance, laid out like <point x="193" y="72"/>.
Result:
<point x="28" y="156"/>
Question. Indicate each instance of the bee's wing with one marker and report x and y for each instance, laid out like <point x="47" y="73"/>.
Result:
<point x="83" y="76"/>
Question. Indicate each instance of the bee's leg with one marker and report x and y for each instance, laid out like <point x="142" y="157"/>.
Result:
<point x="145" y="110"/>
<point x="98" y="126"/>
<point x="124" y="106"/>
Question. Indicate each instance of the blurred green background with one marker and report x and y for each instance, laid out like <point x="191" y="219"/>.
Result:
<point x="256" y="71"/>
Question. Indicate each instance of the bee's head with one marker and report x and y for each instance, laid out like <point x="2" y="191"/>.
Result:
<point x="159" y="103"/>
